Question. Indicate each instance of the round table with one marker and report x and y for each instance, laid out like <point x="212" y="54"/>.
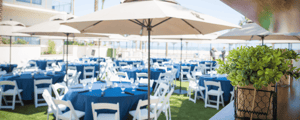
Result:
<point x="82" y="101"/>
<point x="132" y="72"/>
<point x="225" y="85"/>
<point x="129" y="62"/>
<point x="6" y="67"/>
<point x="80" y="67"/>
<point x="42" y="64"/>
<point x="26" y="82"/>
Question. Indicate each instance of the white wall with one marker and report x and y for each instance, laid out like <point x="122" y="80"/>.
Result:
<point x="19" y="52"/>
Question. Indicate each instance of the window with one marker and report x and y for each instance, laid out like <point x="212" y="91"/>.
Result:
<point x="37" y="2"/>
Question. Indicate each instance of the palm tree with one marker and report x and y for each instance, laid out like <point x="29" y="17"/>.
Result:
<point x="103" y="4"/>
<point x="96" y="5"/>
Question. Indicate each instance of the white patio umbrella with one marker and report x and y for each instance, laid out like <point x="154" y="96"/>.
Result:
<point x="54" y="28"/>
<point x="148" y="17"/>
<point x="8" y="28"/>
<point x="252" y="31"/>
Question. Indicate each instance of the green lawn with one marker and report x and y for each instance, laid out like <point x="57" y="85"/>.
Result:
<point x="181" y="109"/>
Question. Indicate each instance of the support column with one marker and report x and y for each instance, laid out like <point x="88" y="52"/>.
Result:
<point x="166" y="49"/>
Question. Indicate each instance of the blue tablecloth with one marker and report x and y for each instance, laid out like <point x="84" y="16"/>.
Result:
<point x="164" y="59"/>
<point x="225" y="85"/>
<point x="6" y="67"/>
<point x="80" y="67"/>
<point x="93" y="58"/>
<point x="25" y="82"/>
<point x="82" y="101"/>
<point x="132" y="72"/>
<point x="129" y="62"/>
<point x="42" y="64"/>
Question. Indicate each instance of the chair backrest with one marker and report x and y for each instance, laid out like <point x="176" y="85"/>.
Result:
<point x="212" y="72"/>
<point x="69" y="105"/>
<point x="122" y="74"/>
<point x="32" y="63"/>
<point x="212" y="83"/>
<point x="48" y="98"/>
<point x="11" y="83"/>
<point x="136" y="64"/>
<point x="88" y="71"/>
<point x="57" y="86"/>
<point x="208" y="64"/>
<point x="165" y="102"/>
<point x="122" y="64"/>
<point x="160" y="62"/>
<point x="161" y="90"/>
<point x="49" y="64"/>
<point x="169" y="67"/>
<point x="165" y="76"/>
<point x="185" y="69"/>
<point x="108" y="106"/>
<point x="42" y="81"/>
<point x="141" y="75"/>
<point x="143" y="103"/>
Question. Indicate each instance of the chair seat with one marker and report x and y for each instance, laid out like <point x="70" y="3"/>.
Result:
<point x="67" y="114"/>
<point x="159" y="105"/>
<point x="11" y="92"/>
<point x="198" y="73"/>
<point x="144" y="114"/>
<point x="215" y="92"/>
<point x="61" y="107"/>
<point x="41" y="90"/>
<point x="106" y="116"/>
<point x="194" y="87"/>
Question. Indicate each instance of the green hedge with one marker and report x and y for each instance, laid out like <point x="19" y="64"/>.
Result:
<point x="109" y="51"/>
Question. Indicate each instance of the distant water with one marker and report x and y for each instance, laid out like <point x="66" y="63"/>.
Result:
<point x="195" y="46"/>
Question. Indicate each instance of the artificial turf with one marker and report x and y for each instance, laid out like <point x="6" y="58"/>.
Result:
<point x="181" y="109"/>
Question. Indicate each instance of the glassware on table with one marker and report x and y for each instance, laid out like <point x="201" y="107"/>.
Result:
<point x="103" y="87"/>
<point x="84" y="84"/>
<point x="19" y="73"/>
<point x="53" y="72"/>
<point x="32" y="74"/>
<point x="45" y="73"/>
<point x="90" y="85"/>
<point x="122" y="88"/>
<point x="133" y="87"/>
<point x="131" y="80"/>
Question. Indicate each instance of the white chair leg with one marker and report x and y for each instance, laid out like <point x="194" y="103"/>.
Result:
<point x="0" y="99"/>
<point x="218" y="101"/>
<point x="14" y="102"/>
<point x="47" y="115"/>
<point x="166" y="114"/>
<point x="195" y="96"/>
<point x="222" y="100"/>
<point x="206" y="97"/>
<point x="20" y="98"/>
<point x="170" y="112"/>
<point x="35" y="100"/>
<point x="5" y="101"/>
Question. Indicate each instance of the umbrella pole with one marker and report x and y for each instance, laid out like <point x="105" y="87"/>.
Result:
<point x="99" y="58"/>
<point x="67" y="59"/>
<point x="9" y="55"/>
<point x="262" y="39"/>
<point x="180" y="91"/>
<point x="63" y="50"/>
<point x="149" y="72"/>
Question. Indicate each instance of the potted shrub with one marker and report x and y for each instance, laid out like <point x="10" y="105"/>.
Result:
<point x="257" y="68"/>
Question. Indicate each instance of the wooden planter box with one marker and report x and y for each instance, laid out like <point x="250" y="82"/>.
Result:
<point x="255" y="104"/>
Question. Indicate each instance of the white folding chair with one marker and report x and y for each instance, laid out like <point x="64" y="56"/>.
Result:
<point x="160" y="62"/>
<point x="88" y="71"/>
<point x="197" y="72"/>
<point x="174" y="73"/>
<point x="169" y="68"/>
<point x="70" y="115"/>
<point x="51" y="107"/>
<point x="212" y="72"/>
<point x="89" y="80"/>
<point x="121" y="64"/>
<point x="194" y="86"/>
<point x="218" y="93"/>
<point x="232" y="95"/>
<point x="31" y="66"/>
<point x="38" y="91"/>
<point x="136" y="64"/>
<point x="161" y="91"/>
<point x="49" y="65"/>
<point x="185" y="70"/>
<point x="142" y="113"/>
<point x="164" y="106"/>
<point x="165" y="78"/>
<point x="74" y="80"/>
<point x="141" y="75"/>
<point x="123" y="76"/>
<point x="10" y="92"/>
<point x="208" y="65"/>
<point x="59" y="90"/>
<point x="106" y="116"/>
<point x="72" y="70"/>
